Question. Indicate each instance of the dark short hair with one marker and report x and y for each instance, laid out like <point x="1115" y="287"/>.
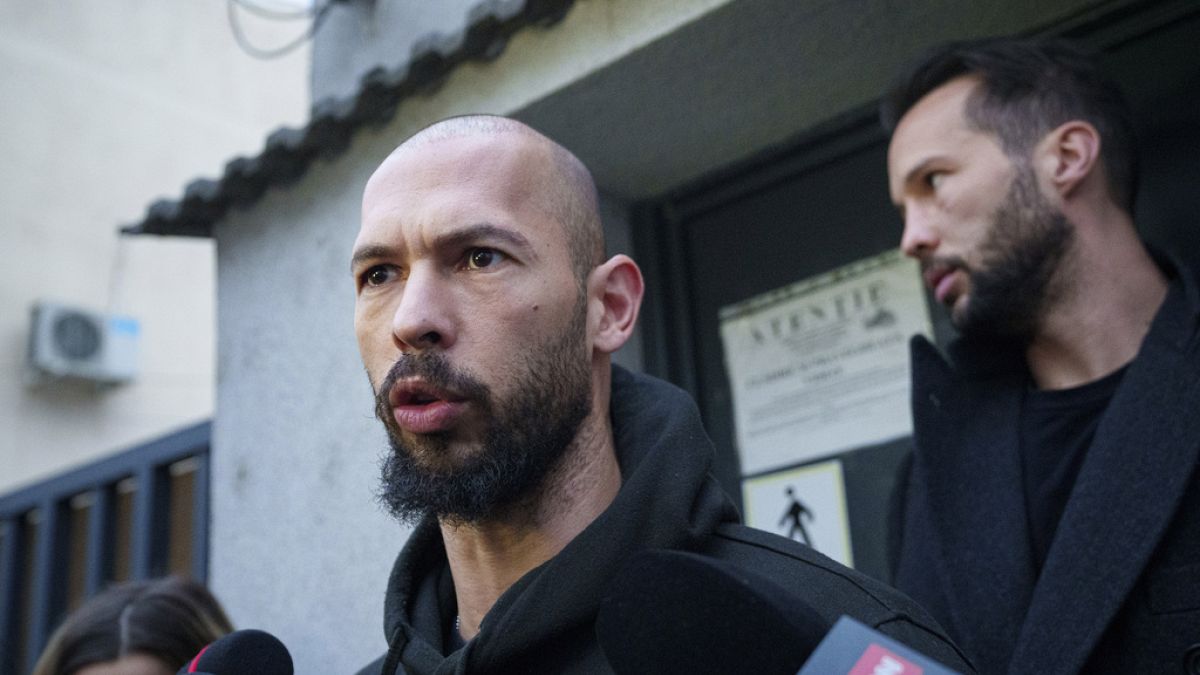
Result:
<point x="170" y="619"/>
<point x="1029" y="87"/>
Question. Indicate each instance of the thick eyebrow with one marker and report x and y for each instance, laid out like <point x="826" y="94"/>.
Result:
<point x="917" y="170"/>
<point x="912" y="176"/>
<point x="478" y="233"/>
<point x="481" y="233"/>
<point x="371" y="252"/>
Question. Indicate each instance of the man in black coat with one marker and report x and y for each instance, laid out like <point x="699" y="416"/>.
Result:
<point x="486" y="314"/>
<point x="1050" y="515"/>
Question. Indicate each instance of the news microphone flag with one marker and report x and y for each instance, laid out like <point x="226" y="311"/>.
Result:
<point x="851" y="648"/>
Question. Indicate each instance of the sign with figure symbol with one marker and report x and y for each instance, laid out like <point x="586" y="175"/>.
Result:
<point x="807" y="504"/>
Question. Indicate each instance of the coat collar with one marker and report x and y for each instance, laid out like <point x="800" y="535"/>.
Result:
<point x="967" y="457"/>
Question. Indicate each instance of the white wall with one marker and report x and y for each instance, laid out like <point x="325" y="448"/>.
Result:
<point x="104" y="107"/>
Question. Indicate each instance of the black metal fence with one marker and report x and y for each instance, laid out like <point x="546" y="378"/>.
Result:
<point x="140" y="514"/>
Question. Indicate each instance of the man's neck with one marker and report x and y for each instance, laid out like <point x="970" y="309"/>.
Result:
<point x="486" y="558"/>
<point x="1097" y="326"/>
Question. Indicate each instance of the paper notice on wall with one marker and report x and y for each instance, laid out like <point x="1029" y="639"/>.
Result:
<point x="822" y="365"/>
<point x="807" y="504"/>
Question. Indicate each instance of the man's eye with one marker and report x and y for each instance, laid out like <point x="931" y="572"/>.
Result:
<point x="378" y="275"/>
<point x="480" y="258"/>
<point x="934" y="178"/>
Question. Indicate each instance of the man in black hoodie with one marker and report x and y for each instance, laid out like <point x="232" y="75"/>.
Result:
<point x="486" y="315"/>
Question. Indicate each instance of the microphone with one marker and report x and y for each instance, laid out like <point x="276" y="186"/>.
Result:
<point x="853" y="648"/>
<point x="674" y="612"/>
<point x="243" y="652"/>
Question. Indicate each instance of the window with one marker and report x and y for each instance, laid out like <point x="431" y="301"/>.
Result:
<point x="138" y="515"/>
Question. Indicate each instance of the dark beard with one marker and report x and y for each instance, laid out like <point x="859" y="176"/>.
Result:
<point x="1013" y="284"/>
<point x="527" y="439"/>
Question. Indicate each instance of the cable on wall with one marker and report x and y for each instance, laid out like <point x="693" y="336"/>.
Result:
<point x="317" y="15"/>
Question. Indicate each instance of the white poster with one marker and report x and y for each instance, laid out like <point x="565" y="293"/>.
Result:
<point x="821" y="366"/>
<point x="807" y="504"/>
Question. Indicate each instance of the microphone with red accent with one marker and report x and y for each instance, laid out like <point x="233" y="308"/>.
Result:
<point x="243" y="652"/>
<point x="857" y="649"/>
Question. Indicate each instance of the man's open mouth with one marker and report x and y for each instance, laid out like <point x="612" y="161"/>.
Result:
<point x="939" y="278"/>
<point x="416" y="392"/>
<point x="420" y="407"/>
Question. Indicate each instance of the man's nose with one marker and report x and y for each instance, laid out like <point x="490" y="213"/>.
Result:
<point x="920" y="237"/>
<point x="424" y="319"/>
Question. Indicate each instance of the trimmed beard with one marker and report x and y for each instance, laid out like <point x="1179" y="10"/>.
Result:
<point x="527" y="438"/>
<point x="1015" y="281"/>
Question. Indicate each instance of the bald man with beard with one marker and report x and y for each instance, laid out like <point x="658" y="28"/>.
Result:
<point x="534" y="468"/>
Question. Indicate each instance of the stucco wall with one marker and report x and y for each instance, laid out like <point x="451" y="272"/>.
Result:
<point x="105" y="107"/>
<point x="297" y="545"/>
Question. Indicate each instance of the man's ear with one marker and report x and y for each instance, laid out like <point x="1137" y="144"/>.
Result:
<point x="1069" y="155"/>
<point x="615" y="287"/>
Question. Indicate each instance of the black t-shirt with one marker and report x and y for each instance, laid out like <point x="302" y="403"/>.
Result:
<point x="1057" y="427"/>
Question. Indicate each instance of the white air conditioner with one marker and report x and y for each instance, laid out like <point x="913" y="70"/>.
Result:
<point x="68" y="342"/>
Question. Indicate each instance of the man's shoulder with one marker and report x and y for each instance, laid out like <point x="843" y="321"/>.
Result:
<point x="824" y="581"/>
<point x="833" y="589"/>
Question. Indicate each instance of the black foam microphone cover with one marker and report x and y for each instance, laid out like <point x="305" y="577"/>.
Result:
<point x="674" y="612"/>
<point x="243" y="652"/>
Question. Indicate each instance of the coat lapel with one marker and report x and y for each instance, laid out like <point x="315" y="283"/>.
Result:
<point x="968" y="438"/>
<point x="1128" y="488"/>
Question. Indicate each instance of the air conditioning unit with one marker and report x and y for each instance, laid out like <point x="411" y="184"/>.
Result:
<point x="68" y="342"/>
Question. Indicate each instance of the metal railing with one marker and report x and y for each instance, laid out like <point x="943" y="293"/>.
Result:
<point x="139" y="514"/>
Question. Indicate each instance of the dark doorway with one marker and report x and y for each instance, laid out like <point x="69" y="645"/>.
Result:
<point x="822" y="203"/>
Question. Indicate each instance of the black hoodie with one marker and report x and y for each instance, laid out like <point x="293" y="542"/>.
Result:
<point x="545" y="622"/>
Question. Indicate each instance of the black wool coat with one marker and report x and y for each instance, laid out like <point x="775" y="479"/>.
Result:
<point x="1120" y="588"/>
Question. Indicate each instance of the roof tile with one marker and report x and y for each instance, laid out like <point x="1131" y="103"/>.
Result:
<point x="289" y="152"/>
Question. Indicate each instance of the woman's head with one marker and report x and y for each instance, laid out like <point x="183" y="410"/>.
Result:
<point x="165" y="620"/>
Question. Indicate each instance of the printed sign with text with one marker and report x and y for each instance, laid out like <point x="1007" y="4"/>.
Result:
<point x="821" y="366"/>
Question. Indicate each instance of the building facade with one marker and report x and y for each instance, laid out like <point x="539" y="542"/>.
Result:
<point x="737" y="152"/>
<point x="105" y="107"/>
